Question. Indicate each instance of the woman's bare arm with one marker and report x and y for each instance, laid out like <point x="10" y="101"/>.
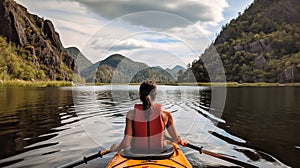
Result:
<point x="172" y="130"/>
<point x="127" y="134"/>
<point x="170" y="125"/>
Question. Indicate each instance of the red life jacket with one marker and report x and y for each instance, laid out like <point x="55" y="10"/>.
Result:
<point x="148" y="134"/>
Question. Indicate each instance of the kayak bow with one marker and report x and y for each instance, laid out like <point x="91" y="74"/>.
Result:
<point x="173" y="158"/>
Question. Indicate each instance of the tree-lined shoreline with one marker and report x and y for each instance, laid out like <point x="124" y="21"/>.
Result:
<point x="23" y="83"/>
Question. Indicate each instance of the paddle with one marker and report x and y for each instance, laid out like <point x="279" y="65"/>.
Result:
<point x="86" y="159"/>
<point x="226" y="158"/>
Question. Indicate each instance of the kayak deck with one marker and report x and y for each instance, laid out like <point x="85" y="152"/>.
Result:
<point x="176" y="159"/>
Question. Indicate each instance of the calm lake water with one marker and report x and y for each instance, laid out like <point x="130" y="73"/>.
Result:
<point x="48" y="127"/>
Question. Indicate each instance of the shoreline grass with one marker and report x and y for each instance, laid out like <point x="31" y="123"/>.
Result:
<point x="236" y="84"/>
<point x="209" y="84"/>
<point x="22" y="83"/>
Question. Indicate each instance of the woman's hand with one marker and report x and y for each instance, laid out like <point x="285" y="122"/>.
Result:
<point x="114" y="147"/>
<point x="182" y="142"/>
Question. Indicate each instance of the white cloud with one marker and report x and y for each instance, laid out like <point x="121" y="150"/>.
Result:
<point x="130" y="44"/>
<point x="193" y="10"/>
<point x="127" y="44"/>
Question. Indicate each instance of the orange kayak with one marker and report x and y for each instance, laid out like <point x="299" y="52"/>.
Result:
<point x="174" y="157"/>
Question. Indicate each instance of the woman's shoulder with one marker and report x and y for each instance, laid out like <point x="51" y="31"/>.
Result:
<point x="130" y="114"/>
<point x="167" y="113"/>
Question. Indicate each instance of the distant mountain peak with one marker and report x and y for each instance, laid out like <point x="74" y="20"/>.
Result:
<point x="115" y="60"/>
<point x="74" y="49"/>
<point x="116" y="56"/>
<point x="81" y="61"/>
<point x="177" y="68"/>
<point x="120" y="69"/>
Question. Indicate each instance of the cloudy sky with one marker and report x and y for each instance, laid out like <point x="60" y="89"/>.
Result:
<point x="155" y="32"/>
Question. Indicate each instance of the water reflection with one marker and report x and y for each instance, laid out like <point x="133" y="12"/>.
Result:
<point x="28" y="113"/>
<point x="268" y="119"/>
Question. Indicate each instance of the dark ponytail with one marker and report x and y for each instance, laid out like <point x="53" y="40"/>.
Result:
<point x="147" y="95"/>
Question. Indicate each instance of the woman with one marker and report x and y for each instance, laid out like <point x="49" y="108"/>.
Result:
<point x="144" y="131"/>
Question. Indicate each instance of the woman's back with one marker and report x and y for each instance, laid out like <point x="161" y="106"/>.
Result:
<point x="148" y="130"/>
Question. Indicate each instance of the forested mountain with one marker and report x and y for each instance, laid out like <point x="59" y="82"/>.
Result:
<point x="156" y="73"/>
<point x="120" y="69"/>
<point x="81" y="61"/>
<point x="260" y="45"/>
<point x="175" y="71"/>
<point x="29" y="46"/>
<point x="178" y="68"/>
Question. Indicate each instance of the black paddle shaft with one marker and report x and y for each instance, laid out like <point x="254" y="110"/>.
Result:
<point x="85" y="159"/>
<point x="194" y="147"/>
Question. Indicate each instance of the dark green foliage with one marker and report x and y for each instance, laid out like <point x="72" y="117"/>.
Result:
<point x="157" y="74"/>
<point x="104" y="74"/>
<point x="15" y="63"/>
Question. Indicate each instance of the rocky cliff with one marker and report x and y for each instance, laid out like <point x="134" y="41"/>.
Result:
<point x="38" y="40"/>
